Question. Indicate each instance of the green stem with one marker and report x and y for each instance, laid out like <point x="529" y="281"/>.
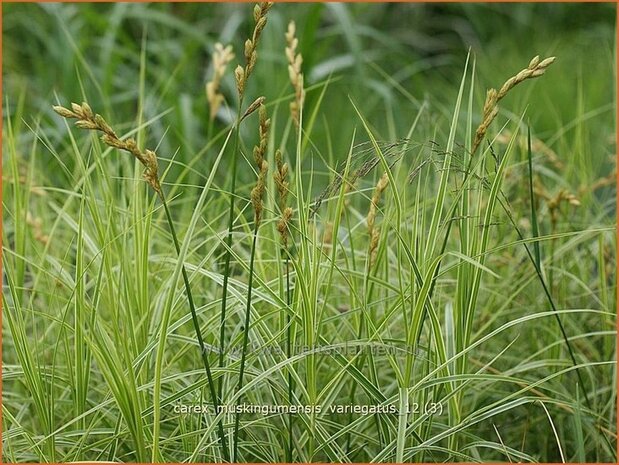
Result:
<point x="245" y="340"/>
<point x="224" y="297"/>
<point x="196" y="324"/>
<point x="289" y="354"/>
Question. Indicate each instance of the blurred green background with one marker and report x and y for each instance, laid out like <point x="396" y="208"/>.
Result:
<point x="389" y="58"/>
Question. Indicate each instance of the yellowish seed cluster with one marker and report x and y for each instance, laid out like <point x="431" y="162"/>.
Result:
<point x="221" y="57"/>
<point x="86" y="119"/>
<point x="257" y="192"/>
<point x="294" y="71"/>
<point x="382" y="184"/>
<point x="535" y="69"/>
<point x="251" y="45"/>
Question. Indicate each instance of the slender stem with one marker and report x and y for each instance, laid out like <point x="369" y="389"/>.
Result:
<point x="360" y="362"/>
<point x="245" y="340"/>
<point x="289" y="354"/>
<point x="228" y="254"/>
<point x="196" y="324"/>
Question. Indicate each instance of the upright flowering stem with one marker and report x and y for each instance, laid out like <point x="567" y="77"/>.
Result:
<point x="295" y="60"/>
<point x="224" y="297"/>
<point x="294" y="73"/>
<point x="282" y="184"/>
<point x="241" y="75"/>
<point x="257" y="194"/>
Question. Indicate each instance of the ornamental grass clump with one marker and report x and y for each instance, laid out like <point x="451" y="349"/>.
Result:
<point x="87" y="119"/>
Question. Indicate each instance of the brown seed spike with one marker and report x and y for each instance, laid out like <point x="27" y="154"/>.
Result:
<point x="251" y="45"/>
<point x="88" y="120"/>
<point x="259" y="151"/>
<point x="253" y="107"/>
<point x="535" y="69"/>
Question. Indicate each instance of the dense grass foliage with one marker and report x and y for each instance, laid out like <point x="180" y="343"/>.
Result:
<point x="416" y="297"/>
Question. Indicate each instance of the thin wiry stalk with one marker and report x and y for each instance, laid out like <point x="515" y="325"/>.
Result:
<point x="281" y="181"/>
<point x="196" y="325"/>
<point x="534" y="225"/>
<point x="241" y="76"/>
<point x="257" y="195"/>
<point x="245" y="340"/>
<point x="289" y="354"/>
<point x="224" y="297"/>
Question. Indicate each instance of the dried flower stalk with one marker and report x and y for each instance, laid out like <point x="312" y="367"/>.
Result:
<point x="294" y="71"/>
<point x="221" y="58"/>
<point x="242" y="73"/>
<point x="86" y="119"/>
<point x="282" y="185"/>
<point x="535" y="69"/>
<point x="257" y="192"/>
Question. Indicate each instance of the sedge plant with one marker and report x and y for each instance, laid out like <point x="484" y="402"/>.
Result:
<point x="437" y="271"/>
<point x="87" y="119"/>
<point x="257" y="195"/>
